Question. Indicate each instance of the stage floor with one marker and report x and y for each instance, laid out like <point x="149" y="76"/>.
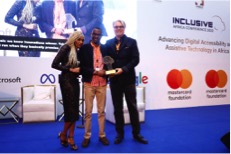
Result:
<point x="187" y="130"/>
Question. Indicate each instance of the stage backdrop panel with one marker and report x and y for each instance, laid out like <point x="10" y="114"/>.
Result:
<point x="185" y="52"/>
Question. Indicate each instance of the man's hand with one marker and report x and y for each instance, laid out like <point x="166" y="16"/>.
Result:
<point x="58" y="31"/>
<point x="68" y="31"/>
<point x="101" y="72"/>
<point x="118" y="71"/>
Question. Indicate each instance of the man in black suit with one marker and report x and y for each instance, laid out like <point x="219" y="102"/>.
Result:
<point x="89" y="14"/>
<point x="125" y="53"/>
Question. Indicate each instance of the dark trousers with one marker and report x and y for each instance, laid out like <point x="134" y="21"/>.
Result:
<point x="117" y="92"/>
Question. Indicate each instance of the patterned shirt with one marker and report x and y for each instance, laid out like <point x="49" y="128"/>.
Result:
<point x="98" y="65"/>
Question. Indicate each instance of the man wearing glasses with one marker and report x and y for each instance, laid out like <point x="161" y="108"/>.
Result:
<point x="124" y="51"/>
<point x="94" y="79"/>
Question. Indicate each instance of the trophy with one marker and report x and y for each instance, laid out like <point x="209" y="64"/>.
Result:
<point x="70" y="23"/>
<point x="108" y="61"/>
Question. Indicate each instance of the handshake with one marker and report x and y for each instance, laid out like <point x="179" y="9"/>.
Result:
<point x="71" y="30"/>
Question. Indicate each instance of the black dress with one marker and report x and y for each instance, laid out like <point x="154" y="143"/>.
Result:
<point x="69" y="85"/>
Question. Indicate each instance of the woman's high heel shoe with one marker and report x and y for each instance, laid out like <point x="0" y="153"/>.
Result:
<point x="72" y="144"/>
<point x="63" y="139"/>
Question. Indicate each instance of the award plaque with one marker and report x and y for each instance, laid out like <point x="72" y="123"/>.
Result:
<point x="70" y="20"/>
<point x="70" y="24"/>
<point x="109" y="61"/>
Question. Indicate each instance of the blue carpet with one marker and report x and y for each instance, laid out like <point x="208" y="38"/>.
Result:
<point x="186" y="130"/>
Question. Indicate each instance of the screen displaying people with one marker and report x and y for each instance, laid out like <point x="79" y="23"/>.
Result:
<point x="28" y="18"/>
<point x="57" y="19"/>
<point x="54" y="15"/>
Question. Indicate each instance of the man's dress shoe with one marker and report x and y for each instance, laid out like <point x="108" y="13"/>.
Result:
<point x="140" y="139"/>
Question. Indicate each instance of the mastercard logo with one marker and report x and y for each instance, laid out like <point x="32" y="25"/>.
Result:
<point x="179" y="79"/>
<point x="216" y="78"/>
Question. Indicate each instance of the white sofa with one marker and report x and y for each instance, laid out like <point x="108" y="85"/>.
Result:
<point x="38" y="103"/>
<point x="140" y="105"/>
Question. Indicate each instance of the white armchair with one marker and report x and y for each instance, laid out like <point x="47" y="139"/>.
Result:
<point x="38" y="103"/>
<point x="140" y="105"/>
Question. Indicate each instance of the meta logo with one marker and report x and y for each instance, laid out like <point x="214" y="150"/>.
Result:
<point x="140" y="79"/>
<point x="216" y="78"/>
<point x="44" y="78"/>
<point x="179" y="79"/>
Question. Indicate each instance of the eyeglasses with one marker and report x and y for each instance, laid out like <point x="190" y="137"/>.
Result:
<point x="96" y="34"/>
<point x="118" y="27"/>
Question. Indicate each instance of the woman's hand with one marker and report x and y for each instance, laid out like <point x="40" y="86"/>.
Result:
<point x="75" y="70"/>
<point x="30" y="26"/>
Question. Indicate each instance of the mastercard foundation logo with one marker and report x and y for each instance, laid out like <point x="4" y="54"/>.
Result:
<point x="179" y="79"/>
<point x="216" y="78"/>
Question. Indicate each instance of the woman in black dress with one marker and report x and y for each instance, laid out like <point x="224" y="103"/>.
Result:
<point x="28" y="16"/>
<point x="66" y="61"/>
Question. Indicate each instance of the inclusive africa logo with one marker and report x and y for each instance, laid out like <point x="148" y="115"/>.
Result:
<point x="216" y="79"/>
<point x="179" y="79"/>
